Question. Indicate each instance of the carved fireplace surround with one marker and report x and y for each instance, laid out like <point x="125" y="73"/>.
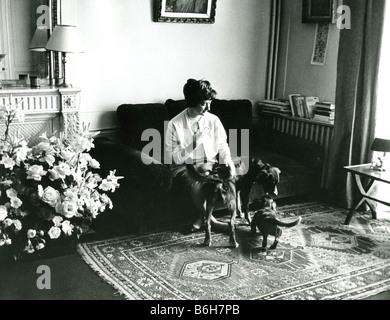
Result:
<point x="47" y="110"/>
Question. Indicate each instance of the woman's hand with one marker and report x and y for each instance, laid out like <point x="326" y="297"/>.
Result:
<point x="232" y="167"/>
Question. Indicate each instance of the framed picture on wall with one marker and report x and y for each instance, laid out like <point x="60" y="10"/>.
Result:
<point x="190" y="11"/>
<point x="318" y="11"/>
<point x="320" y="44"/>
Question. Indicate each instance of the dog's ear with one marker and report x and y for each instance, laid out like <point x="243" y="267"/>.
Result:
<point x="257" y="162"/>
<point x="226" y="191"/>
<point x="275" y="173"/>
<point x="221" y="190"/>
<point x="219" y="187"/>
<point x="260" y="163"/>
<point x="264" y="175"/>
<point x="253" y="161"/>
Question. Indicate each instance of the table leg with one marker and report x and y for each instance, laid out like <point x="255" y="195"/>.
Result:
<point x="349" y="216"/>
<point x="370" y="203"/>
<point x="352" y="211"/>
<point x="372" y="206"/>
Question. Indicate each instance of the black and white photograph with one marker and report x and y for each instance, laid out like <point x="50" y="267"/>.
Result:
<point x="195" y="156"/>
<point x="191" y="11"/>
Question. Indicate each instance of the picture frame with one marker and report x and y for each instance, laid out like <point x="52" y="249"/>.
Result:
<point x="185" y="11"/>
<point x="321" y="42"/>
<point x="314" y="11"/>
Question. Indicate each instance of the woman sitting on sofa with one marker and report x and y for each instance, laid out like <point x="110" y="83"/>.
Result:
<point x="196" y="136"/>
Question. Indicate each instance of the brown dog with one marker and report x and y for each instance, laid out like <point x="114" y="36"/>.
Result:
<point x="258" y="172"/>
<point x="266" y="221"/>
<point x="213" y="185"/>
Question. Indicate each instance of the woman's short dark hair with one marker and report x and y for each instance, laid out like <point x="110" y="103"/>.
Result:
<point x="196" y="91"/>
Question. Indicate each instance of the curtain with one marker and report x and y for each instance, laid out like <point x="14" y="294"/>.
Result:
<point x="357" y="77"/>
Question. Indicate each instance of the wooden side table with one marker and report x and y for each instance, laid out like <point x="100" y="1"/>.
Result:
<point x="367" y="193"/>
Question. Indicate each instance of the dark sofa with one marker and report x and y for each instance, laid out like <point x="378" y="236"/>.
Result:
<point x="147" y="195"/>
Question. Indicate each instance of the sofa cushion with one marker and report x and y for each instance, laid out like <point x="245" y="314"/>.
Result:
<point x="144" y="190"/>
<point x="135" y="118"/>
<point x="234" y="114"/>
<point x="174" y="107"/>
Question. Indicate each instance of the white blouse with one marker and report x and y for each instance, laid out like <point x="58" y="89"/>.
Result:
<point x="179" y="135"/>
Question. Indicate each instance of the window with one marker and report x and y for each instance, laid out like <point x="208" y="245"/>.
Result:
<point x="382" y="128"/>
<point x="383" y="116"/>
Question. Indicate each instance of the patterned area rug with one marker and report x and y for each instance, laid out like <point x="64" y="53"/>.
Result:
<point x="320" y="259"/>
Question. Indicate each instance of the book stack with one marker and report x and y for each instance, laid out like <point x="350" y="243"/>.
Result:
<point x="324" y="112"/>
<point x="275" y="106"/>
<point x="302" y="106"/>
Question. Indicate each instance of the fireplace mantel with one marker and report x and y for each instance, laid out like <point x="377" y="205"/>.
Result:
<point x="47" y="110"/>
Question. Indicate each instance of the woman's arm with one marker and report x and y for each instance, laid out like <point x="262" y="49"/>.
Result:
<point x="223" y="148"/>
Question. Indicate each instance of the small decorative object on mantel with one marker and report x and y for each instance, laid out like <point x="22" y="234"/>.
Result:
<point x="191" y="11"/>
<point x="35" y="82"/>
<point x="50" y="191"/>
<point x="2" y="56"/>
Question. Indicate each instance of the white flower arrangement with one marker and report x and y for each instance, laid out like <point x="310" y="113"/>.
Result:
<point x="49" y="190"/>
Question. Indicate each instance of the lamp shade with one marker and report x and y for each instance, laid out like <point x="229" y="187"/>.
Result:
<point x="382" y="145"/>
<point x="64" y="39"/>
<point x="39" y="40"/>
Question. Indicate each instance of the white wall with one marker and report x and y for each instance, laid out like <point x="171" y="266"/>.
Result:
<point x="131" y="59"/>
<point x="295" y="72"/>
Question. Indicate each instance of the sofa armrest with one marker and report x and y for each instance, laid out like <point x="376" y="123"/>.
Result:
<point x="128" y="162"/>
<point x="135" y="118"/>
<point x="143" y="193"/>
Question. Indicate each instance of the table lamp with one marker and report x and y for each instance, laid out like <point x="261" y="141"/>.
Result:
<point x="66" y="40"/>
<point x="39" y="40"/>
<point x="381" y="145"/>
